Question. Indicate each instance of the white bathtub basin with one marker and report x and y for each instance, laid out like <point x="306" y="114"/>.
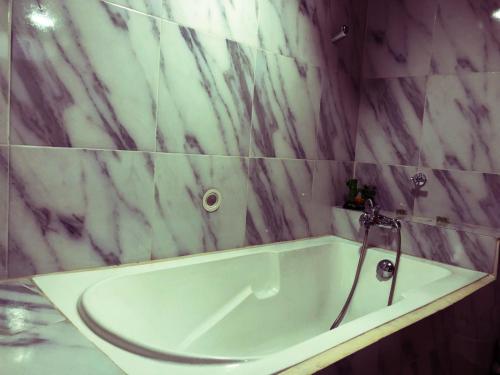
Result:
<point x="257" y="309"/>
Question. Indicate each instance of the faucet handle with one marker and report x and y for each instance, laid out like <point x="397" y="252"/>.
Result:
<point x="371" y="208"/>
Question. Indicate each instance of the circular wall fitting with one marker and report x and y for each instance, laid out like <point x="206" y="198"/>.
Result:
<point x="212" y="200"/>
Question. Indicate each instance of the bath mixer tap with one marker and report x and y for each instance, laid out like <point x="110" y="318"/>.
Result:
<point x="373" y="217"/>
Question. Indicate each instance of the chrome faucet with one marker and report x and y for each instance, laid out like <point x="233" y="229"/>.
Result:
<point x="373" y="217"/>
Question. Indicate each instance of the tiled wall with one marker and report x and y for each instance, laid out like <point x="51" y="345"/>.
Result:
<point x="429" y="102"/>
<point x="123" y="112"/>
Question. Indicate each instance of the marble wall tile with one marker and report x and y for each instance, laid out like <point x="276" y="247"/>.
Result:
<point x="71" y="209"/>
<point x="466" y="37"/>
<point x="4" y="206"/>
<point x="462" y="122"/>
<point x="4" y="68"/>
<point x="398" y="38"/>
<point x="352" y="13"/>
<point x="328" y="190"/>
<point x="69" y="88"/>
<point x="394" y="187"/>
<point x="336" y="135"/>
<point x="151" y="7"/>
<point x="463" y="249"/>
<point x="449" y="246"/>
<point x="181" y="225"/>
<point x="213" y="75"/>
<point x="329" y="181"/>
<point x="390" y="120"/>
<point x="345" y="224"/>
<point x="279" y="200"/>
<point x="232" y="19"/>
<point x="300" y="29"/>
<point x="462" y="197"/>
<point x="285" y="108"/>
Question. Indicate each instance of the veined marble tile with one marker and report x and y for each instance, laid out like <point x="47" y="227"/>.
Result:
<point x="232" y="19"/>
<point x="462" y="197"/>
<point x="345" y="224"/>
<point x="70" y="89"/>
<point x="318" y="21"/>
<point x="181" y="225"/>
<point x="394" y="187"/>
<point x="23" y="307"/>
<point x="4" y="203"/>
<point x="350" y="50"/>
<point x="301" y="29"/>
<point x="466" y="37"/>
<point x="449" y="246"/>
<point x="398" y="38"/>
<point x="285" y="108"/>
<point x="205" y="94"/>
<point x="36" y="338"/>
<point x="279" y="200"/>
<point x="329" y="181"/>
<point x="328" y="189"/>
<point x="54" y="349"/>
<point x="151" y="7"/>
<point x="71" y="209"/>
<point x="390" y="120"/>
<point x="336" y="135"/>
<point x="4" y="69"/>
<point x="462" y="123"/>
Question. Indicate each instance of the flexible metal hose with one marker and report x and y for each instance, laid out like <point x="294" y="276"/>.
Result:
<point x="355" y="282"/>
<point x="361" y="260"/>
<point x="396" y="265"/>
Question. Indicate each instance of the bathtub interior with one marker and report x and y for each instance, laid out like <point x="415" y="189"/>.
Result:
<point x="246" y="306"/>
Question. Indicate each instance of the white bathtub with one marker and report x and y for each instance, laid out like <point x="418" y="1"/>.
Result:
<point x="253" y="310"/>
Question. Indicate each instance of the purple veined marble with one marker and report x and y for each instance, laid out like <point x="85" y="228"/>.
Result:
<point x="279" y="196"/>
<point x="35" y="336"/>
<point x="450" y="246"/>
<point x="461" y="123"/>
<point x="394" y="187"/>
<point x="213" y="75"/>
<point x="300" y="29"/>
<point x="72" y="209"/>
<point x="285" y="108"/>
<point x="336" y="134"/>
<point x="350" y="52"/>
<point x="398" y="38"/>
<point x="70" y="89"/>
<point x="390" y="120"/>
<point x="462" y="197"/>
<point x="458" y="248"/>
<point x="466" y="37"/>
<point x="181" y="225"/>
<point x="233" y="20"/>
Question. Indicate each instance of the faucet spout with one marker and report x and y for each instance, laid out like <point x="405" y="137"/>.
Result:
<point x="372" y="217"/>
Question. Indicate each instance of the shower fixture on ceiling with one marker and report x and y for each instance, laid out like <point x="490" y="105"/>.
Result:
<point x="344" y="31"/>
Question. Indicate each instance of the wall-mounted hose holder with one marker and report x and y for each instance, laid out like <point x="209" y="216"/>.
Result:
<point x="212" y="200"/>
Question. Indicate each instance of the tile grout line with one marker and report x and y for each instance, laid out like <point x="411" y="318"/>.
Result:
<point x="9" y="94"/>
